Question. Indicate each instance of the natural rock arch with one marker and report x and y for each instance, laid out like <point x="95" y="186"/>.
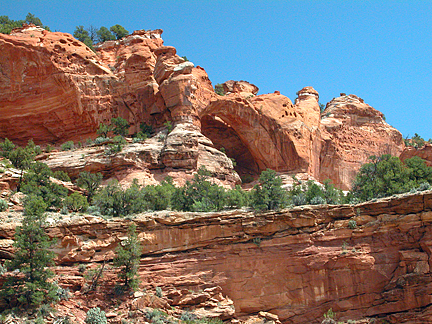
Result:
<point x="262" y="136"/>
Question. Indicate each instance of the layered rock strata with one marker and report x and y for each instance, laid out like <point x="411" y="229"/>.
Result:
<point x="368" y="260"/>
<point x="176" y="154"/>
<point x="53" y="88"/>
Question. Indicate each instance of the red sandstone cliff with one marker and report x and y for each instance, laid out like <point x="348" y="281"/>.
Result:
<point x="295" y="263"/>
<point x="53" y="88"/>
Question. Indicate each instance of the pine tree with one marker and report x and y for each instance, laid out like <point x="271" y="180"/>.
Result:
<point x="30" y="287"/>
<point x="128" y="256"/>
<point x="269" y="194"/>
<point x="119" y="31"/>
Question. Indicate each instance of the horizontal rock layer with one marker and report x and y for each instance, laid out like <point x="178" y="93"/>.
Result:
<point x="372" y="259"/>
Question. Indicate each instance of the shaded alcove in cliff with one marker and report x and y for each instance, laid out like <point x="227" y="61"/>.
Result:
<point x="226" y="139"/>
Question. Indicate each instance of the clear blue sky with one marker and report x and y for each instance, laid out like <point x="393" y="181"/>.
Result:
<point x="378" y="50"/>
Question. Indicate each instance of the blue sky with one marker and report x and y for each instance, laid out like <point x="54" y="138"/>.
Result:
<point x="378" y="50"/>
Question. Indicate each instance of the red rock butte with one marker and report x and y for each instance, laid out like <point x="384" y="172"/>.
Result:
<point x="53" y="88"/>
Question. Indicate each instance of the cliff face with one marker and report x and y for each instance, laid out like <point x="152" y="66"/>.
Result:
<point x="294" y="263"/>
<point x="353" y="131"/>
<point x="53" y="89"/>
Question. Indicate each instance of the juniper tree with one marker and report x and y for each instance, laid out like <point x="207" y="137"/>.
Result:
<point x="90" y="182"/>
<point x="128" y="256"/>
<point x="6" y="148"/>
<point x="21" y="158"/>
<point x="120" y="126"/>
<point x="104" y="129"/>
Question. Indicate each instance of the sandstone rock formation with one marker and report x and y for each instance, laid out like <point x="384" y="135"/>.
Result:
<point x="52" y="87"/>
<point x="353" y="131"/>
<point x="244" y="88"/>
<point x="425" y="153"/>
<point x="58" y="89"/>
<point x="294" y="263"/>
<point x="176" y="154"/>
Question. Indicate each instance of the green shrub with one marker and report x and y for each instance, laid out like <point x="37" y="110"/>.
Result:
<point x="119" y="31"/>
<point x="247" y="178"/>
<point x="322" y="107"/>
<point x="329" y="314"/>
<point x="318" y="201"/>
<point x="387" y="175"/>
<point x="168" y="126"/>
<point x="21" y="158"/>
<point x="100" y="140"/>
<point x="104" y="34"/>
<point x="113" y="149"/>
<point x="6" y="147"/>
<point x="63" y="294"/>
<point x="299" y="199"/>
<point x="237" y="197"/>
<point x="76" y="202"/>
<point x="159" y="292"/>
<point x="146" y="129"/>
<point x="331" y="194"/>
<point x="269" y="194"/>
<point x="90" y="182"/>
<point x="139" y="137"/>
<point x="112" y="200"/>
<point x="188" y="316"/>
<point x="158" y="197"/>
<point x="424" y="186"/>
<point x="119" y="140"/>
<point x="352" y="224"/>
<point x="63" y="320"/>
<point x="36" y="149"/>
<point x="37" y="182"/>
<point x="3" y="269"/>
<point x="3" y="205"/>
<point x="199" y="194"/>
<point x="104" y="130"/>
<point x="120" y="126"/>
<point x="6" y="24"/>
<point x="82" y="268"/>
<point x="219" y="89"/>
<point x="96" y="316"/>
<point x="416" y="141"/>
<point x="62" y="176"/>
<point x="69" y="145"/>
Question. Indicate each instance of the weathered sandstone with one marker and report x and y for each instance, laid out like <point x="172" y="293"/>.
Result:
<point x="176" y="154"/>
<point x="353" y="131"/>
<point x="294" y="263"/>
<point x="425" y="153"/>
<point x="53" y="88"/>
